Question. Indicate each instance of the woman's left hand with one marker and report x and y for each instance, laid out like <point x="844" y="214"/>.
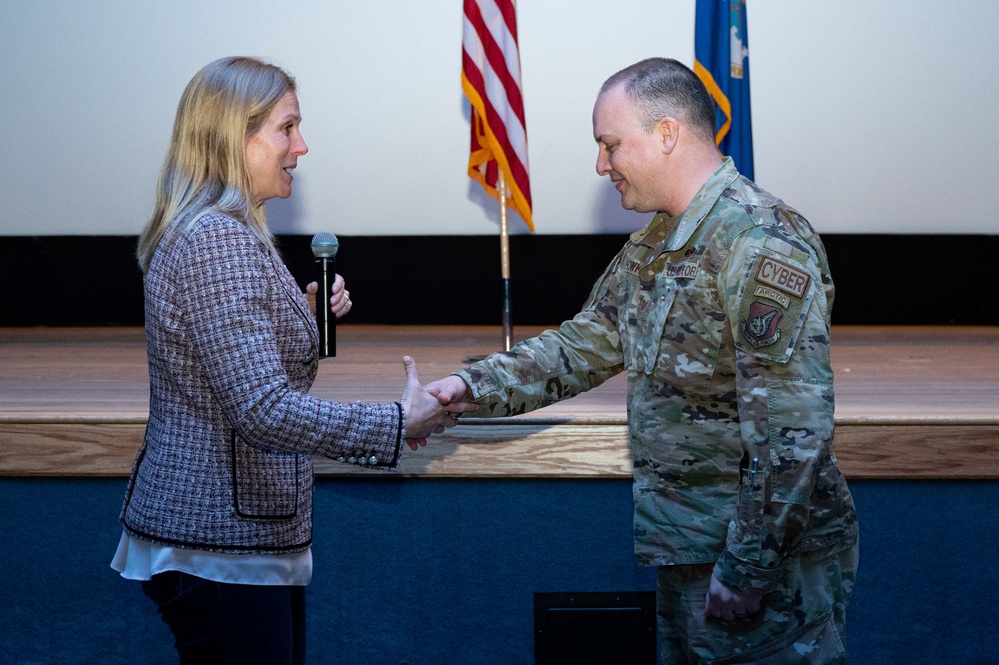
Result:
<point x="340" y="302"/>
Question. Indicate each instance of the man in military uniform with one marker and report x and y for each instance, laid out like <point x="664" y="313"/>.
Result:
<point x="719" y="312"/>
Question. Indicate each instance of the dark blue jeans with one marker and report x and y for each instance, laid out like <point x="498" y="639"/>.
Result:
<point x="219" y="624"/>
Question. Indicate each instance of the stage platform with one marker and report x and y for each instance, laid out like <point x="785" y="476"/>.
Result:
<point x="911" y="402"/>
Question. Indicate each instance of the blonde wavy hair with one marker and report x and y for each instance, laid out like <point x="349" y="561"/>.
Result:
<point x="223" y="106"/>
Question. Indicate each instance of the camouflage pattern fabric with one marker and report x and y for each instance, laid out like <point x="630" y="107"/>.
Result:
<point x="802" y="621"/>
<point x="721" y="320"/>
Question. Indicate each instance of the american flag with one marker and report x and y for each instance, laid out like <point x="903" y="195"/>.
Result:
<point x="490" y="77"/>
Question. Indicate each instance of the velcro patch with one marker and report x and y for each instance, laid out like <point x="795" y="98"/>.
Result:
<point x="772" y="294"/>
<point x="782" y="276"/>
<point x="773" y="303"/>
<point x="761" y="326"/>
<point x="682" y="270"/>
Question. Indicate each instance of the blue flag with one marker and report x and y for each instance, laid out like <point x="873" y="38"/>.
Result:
<point x="721" y="60"/>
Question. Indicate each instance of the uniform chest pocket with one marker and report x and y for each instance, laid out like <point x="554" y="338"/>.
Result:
<point x="691" y="339"/>
<point x="647" y="311"/>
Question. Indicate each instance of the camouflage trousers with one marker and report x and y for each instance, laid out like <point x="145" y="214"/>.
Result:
<point x="803" y="620"/>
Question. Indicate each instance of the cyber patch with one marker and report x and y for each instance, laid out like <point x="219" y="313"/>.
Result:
<point x="781" y="276"/>
<point x="761" y="326"/>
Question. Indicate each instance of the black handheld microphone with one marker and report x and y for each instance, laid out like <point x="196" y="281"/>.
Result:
<point x="324" y="246"/>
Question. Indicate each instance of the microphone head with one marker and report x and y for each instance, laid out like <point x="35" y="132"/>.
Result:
<point x="324" y="245"/>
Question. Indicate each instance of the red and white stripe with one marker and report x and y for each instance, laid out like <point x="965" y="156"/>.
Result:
<point x="490" y="78"/>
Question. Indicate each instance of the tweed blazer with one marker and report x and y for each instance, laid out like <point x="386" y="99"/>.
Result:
<point x="226" y="461"/>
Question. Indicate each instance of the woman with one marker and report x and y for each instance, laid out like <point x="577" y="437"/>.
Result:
<point x="218" y="511"/>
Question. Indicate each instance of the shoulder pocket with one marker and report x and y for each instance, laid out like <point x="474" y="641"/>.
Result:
<point x="774" y="297"/>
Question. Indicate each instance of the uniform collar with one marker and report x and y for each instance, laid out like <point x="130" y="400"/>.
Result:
<point x="668" y="234"/>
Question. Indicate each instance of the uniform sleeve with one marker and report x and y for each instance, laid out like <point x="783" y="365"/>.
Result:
<point x="228" y="292"/>
<point x="776" y="302"/>
<point x="557" y="364"/>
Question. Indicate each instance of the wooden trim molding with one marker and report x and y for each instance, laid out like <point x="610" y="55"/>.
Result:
<point x="912" y="403"/>
<point x="524" y="449"/>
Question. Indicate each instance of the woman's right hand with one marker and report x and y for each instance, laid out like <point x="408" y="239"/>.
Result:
<point x="425" y="415"/>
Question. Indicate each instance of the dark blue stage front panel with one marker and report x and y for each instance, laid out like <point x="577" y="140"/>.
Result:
<point x="452" y="565"/>
<point x="438" y="572"/>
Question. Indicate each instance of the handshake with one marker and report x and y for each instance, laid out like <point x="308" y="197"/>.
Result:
<point x="432" y="408"/>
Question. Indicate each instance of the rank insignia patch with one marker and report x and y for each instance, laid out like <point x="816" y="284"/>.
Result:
<point x="760" y="327"/>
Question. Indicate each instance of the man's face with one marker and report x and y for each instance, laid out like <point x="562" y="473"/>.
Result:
<point x="628" y="154"/>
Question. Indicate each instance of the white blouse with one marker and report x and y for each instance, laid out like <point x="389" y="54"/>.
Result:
<point x="140" y="560"/>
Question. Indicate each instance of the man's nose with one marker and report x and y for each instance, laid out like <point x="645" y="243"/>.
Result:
<point x="603" y="164"/>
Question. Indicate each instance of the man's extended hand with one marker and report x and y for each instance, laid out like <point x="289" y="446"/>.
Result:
<point x="450" y="390"/>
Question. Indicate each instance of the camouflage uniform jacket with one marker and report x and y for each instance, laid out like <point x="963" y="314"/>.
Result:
<point x="721" y="319"/>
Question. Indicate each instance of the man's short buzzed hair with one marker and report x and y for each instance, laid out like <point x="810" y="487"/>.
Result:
<point x="663" y="87"/>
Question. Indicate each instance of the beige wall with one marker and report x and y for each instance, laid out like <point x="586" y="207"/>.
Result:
<point x="869" y="115"/>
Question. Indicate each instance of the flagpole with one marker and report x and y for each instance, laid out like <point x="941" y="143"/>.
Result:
<point x="504" y="270"/>
<point x="490" y="79"/>
<point x="505" y="263"/>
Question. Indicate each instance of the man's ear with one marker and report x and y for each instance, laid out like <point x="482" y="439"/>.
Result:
<point x="669" y="130"/>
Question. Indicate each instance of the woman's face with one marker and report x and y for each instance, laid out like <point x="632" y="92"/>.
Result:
<point x="273" y="152"/>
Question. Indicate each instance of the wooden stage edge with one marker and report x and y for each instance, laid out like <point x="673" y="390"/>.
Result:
<point x="912" y="403"/>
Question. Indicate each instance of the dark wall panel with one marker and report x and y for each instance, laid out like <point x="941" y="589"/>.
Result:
<point x="880" y="279"/>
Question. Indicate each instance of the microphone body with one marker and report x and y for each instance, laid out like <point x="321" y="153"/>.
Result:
<point x="324" y="247"/>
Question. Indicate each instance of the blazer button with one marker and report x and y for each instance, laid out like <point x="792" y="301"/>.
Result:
<point x="372" y="460"/>
<point x="352" y="460"/>
<point x="309" y="358"/>
<point x="341" y="458"/>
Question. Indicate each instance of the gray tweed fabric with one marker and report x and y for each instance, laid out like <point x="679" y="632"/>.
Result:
<point x="226" y="463"/>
